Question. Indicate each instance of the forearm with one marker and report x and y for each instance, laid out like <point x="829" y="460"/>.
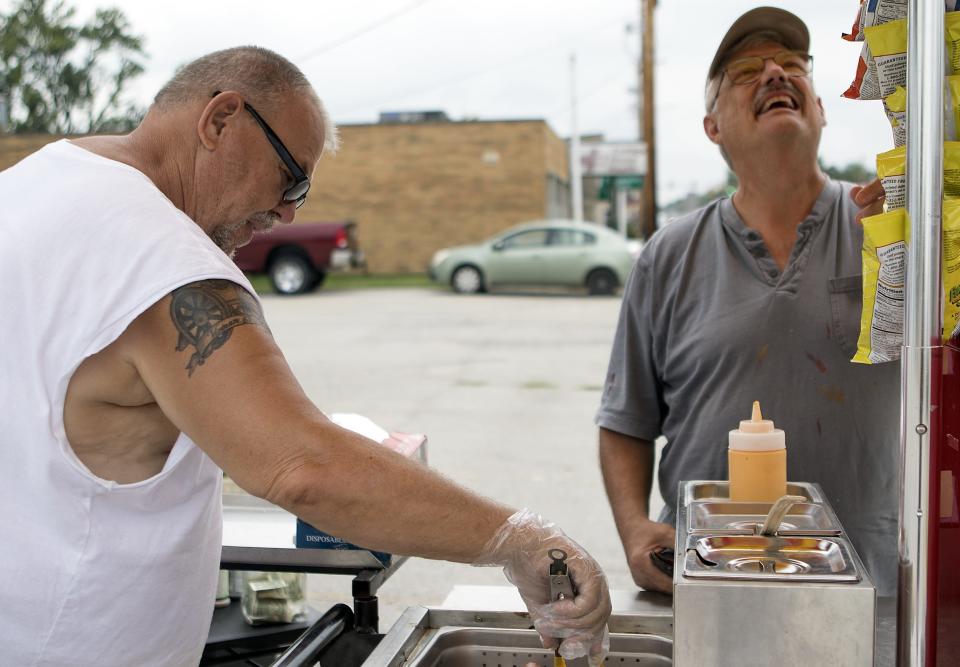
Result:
<point x="351" y="487"/>
<point x="627" y="467"/>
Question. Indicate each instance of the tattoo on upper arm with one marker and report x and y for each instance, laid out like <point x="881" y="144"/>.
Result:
<point x="205" y="314"/>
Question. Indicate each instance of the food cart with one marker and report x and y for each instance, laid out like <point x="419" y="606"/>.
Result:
<point x="807" y="599"/>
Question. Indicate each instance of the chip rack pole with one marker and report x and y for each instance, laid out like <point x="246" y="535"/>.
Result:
<point x="920" y="368"/>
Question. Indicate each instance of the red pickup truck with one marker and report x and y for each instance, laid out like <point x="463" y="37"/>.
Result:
<point x="297" y="257"/>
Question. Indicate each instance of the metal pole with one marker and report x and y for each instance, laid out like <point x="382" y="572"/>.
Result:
<point x="576" y="178"/>
<point x="648" y="136"/>
<point x="621" y="210"/>
<point x="925" y="71"/>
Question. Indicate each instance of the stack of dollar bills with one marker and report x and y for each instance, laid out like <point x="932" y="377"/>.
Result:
<point x="274" y="597"/>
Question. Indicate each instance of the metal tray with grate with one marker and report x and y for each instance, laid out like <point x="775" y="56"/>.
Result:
<point x="502" y="647"/>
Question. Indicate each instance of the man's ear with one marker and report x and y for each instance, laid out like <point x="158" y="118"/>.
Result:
<point x="823" y="114"/>
<point x="711" y="128"/>
<point x="220" y="113"/>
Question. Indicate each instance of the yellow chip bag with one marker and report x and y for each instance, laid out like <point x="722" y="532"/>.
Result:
<point x="884" y="268"/>
<point x="884" y="263"/>
<point x="892" y="172"/>
<point x="952" y="30"/>
<point x="895" y="106"/>
<point x="950" y="269"/>
<point x="888" y="46"/>
<point x="951" y="169"/>
<point x="952" y="124"/>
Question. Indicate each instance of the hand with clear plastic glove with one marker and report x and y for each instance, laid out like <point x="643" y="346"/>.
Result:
<point x="578" y="626"/>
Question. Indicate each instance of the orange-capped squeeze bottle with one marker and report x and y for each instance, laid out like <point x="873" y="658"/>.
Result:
<point x="758" y="460"/>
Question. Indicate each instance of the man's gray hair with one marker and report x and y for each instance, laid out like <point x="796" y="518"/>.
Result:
<point x="712" y="90"/>
<point x="256" y="73"/>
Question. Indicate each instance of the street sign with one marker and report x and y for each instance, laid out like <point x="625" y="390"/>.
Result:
<point x="613" y="159"/>
<point x="610" y="184"/>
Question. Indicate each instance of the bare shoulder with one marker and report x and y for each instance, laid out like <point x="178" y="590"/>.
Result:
<point x="205" y="315"/>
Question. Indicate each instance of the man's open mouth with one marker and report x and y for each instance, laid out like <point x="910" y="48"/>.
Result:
<point x="779" y="101"/>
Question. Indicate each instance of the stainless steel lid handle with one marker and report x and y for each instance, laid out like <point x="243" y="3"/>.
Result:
<point x="779" y="510"/>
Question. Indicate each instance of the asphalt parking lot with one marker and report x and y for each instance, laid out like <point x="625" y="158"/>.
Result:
<point x="505" y="387"/>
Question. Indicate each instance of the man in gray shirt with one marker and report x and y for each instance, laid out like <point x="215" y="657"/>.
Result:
<point x="754" y="297"/>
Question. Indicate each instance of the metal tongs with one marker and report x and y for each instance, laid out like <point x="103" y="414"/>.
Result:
<point x="562" y="588"/>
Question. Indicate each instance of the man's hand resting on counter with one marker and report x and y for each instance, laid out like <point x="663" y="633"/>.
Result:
<point x="579" y="625"/>
<point x="650" y="536"/>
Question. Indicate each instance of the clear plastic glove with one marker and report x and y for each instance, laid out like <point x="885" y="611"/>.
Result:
<point x="579" y="625"/>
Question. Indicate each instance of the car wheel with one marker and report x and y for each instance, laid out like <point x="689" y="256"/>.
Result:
<point x="467" y="279"/>
<point x="291" y="274"/>
<point x="601" y="281"/>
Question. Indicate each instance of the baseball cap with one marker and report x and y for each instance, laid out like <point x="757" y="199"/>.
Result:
<point x="791" y="28"/>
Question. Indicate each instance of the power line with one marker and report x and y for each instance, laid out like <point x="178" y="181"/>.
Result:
<point x="590" y="93"/>
<point x="357" y="33"/>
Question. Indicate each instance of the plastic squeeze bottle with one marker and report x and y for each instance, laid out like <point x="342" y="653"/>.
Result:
<point x="757" y="460"/>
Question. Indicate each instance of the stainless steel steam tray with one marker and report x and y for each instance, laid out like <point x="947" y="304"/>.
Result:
<point x="458" y="638"/>
<point x="720" y="491"/>
<point x="750" y="557"/>
<point x="485" y="647"/>
<point x="729" y="518"/>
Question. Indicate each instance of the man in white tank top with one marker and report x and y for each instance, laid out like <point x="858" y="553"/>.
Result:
<point x="140" y="365"/>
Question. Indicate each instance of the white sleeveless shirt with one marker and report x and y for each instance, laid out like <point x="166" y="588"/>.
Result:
<point x="93" y="572"/>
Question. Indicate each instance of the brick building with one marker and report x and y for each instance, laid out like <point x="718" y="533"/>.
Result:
<point x="413" y="188"/>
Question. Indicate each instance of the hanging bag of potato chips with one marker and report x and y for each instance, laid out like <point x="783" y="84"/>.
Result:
<point x="895" y="106"/>
<point x="884" y="263"/>
<point x="950" y="270"/>
<point x="892" y="172"/>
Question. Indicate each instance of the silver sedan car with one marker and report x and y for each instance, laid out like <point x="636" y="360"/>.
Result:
<point x="540" y="253"/>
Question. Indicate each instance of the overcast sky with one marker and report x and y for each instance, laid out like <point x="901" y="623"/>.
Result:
<point x="501" y="59"/>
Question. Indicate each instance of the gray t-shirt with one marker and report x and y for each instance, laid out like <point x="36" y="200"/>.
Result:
<point x="709" y="324"/>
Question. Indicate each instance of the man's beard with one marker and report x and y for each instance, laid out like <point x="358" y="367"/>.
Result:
<point x="225" y="236"/>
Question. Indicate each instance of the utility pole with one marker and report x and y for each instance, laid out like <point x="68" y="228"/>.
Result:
<point x="576" y="179"/>
<point x="648" y="219"/>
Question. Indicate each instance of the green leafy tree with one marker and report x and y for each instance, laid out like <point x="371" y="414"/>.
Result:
<point x="853" y="172"/>
<point x="61" y="77"/>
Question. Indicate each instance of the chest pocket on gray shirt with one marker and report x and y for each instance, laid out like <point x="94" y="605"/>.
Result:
<point x="846" y="302"/>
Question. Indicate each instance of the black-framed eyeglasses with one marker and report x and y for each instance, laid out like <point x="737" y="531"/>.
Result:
<point x="745" y="71"/>
<point x="297" y="192"/>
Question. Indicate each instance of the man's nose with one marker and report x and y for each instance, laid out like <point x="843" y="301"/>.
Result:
<point x="772" y="72"/>
<point x="287" y="210"/>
